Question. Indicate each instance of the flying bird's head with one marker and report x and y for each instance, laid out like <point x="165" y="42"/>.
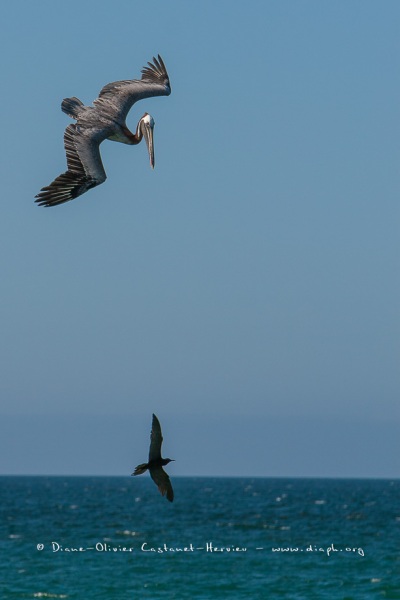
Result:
<point x="146" y="125"/>
<point x="167" y="460"/>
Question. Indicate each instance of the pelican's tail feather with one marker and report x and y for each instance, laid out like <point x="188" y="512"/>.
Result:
<point x="72" y="107"/>
<point x="140" y="469"/>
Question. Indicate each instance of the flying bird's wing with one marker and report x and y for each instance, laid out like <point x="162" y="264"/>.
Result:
<point x="85" y="168"/>
<point x="162" y="481"/>
<point x="117" y="98"/>
<point x="155" y="441"/>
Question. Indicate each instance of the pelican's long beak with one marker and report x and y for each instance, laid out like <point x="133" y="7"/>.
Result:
<point x="147" y="129"/>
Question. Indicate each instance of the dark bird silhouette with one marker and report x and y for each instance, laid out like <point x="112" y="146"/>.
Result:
<point x="104" y="120"/>
<point x="156" y="462"/>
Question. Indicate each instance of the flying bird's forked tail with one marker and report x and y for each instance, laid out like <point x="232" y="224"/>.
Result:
<point x="140" y="469"/>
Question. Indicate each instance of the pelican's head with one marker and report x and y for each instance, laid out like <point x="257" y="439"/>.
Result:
<point x="168" y="460"/>
<point x="146" y="125"/>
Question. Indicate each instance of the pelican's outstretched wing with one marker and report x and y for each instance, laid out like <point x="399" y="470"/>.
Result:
<point x="117" y="98"/>
<point x="162" y="481"/>
<point x="155" y="441"/>
<point x="85" y="168"/>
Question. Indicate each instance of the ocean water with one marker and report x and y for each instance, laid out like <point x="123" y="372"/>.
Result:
<point x="93" y="538"/>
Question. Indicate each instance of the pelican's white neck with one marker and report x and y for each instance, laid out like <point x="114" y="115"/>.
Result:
<point x="148" y="120"/>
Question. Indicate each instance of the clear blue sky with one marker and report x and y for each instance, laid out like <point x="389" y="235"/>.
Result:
<point x="247" y="290"/>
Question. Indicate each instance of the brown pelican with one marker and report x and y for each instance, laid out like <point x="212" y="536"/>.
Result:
<point x="156" y="463"/>
<point x="104" y="120"/>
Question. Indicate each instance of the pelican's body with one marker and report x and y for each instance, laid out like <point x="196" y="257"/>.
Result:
<point x="156" y="462"/>
<point x="105" y="120"/>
